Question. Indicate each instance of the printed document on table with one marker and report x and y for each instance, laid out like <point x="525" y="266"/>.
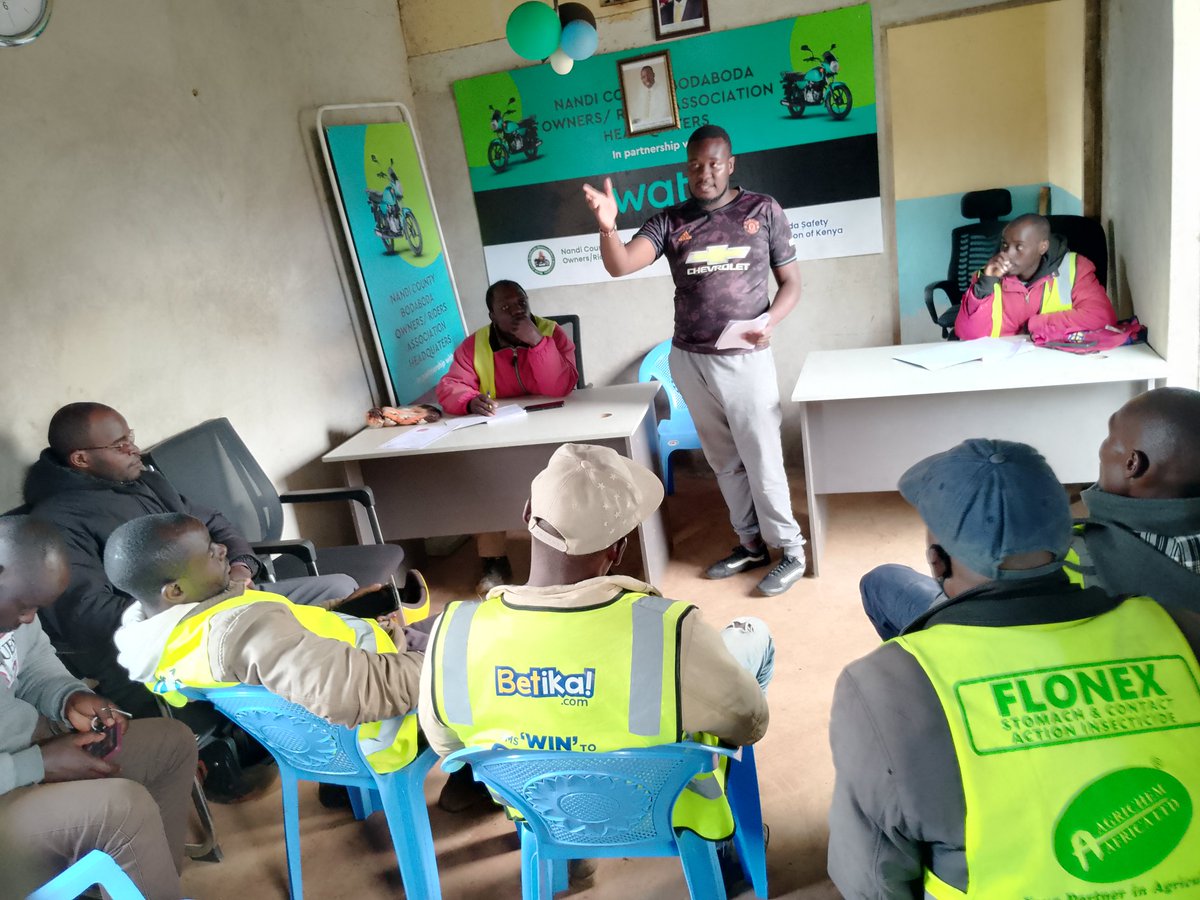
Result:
<point x="503" y="413"/>
<point x="508" y="413"/>
<point x="734" y="335"/>
<point x="953" y="353"/>
<point x="416" y="437"/>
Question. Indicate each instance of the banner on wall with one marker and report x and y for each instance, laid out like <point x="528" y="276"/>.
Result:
<point x="392" y="226"/>
<point x="820" y="164"/>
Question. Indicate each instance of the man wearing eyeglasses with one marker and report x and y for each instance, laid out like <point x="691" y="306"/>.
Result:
<point x="90" y="481"/>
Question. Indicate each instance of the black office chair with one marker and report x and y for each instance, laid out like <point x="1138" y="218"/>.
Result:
<point x="211" y="465"/>
<point x="570" y="325"/>
<point x="971" y="246"/>
<point x="1086" y="237"/>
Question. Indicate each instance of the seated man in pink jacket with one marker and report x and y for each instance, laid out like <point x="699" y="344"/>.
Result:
<point x="1035" y="285"/>
<point x="516" y="354"/>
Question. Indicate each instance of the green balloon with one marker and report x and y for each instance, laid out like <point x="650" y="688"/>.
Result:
<point x="533" y="30"/>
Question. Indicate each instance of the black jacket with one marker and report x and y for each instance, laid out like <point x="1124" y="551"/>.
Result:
<point x="87" y="510"/>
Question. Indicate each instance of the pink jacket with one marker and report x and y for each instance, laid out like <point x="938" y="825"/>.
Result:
<point x="547" y="368"/>
<point x="1090" y="307"/>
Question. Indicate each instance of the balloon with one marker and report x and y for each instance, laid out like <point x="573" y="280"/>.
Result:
<point x="579" y="39"/>
<point x="561" y="62"/>
<point x="533" y="30"/>
<point x="569" y="12"/>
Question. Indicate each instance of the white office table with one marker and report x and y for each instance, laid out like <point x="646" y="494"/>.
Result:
<point x="866" y="417"/>
<point x="477" y="479"/>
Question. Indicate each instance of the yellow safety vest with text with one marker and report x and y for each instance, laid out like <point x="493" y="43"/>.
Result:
<point x="387" y="745"/>
<point x="585" y="680"/>
<point x="485" y="357"/>
<point x="1078" y="752"/>
<point x="1056" y="293"/>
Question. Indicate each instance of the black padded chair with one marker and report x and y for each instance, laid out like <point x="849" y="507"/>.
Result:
<point x="971" y="246"/>
<point x="570" y="325"/>
<point x="211" y="465"/>
<point x="1086" y="237"/>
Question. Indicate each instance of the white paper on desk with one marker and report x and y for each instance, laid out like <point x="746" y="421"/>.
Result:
<point x="417" y="436"/>
<point x="734" y="335"/>
<point x="507" y="413"/>
<point x="953" y="353"/>
<point x="456" y="422"/>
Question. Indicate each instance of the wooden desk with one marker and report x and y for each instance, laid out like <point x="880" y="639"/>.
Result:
<point x="866" y="418"/>
<point x="477" y="479"/>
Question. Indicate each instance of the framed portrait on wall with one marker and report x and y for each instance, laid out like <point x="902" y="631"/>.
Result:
<point x="648" y="93"/>
<point x="675" y="18"/>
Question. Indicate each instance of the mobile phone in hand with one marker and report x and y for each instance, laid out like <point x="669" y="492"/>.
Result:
<point x="107" y="747"/>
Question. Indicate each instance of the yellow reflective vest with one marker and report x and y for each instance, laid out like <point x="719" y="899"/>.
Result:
<point x="1056" y="293"/>
<point x="388" y="745"/>
<point x="1079" y="777"/>
<point x="485" y="357"/>
<point x="590" y="680"/>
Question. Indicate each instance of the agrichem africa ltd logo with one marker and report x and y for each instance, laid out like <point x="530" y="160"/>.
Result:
<point x="540" y="259"/>
<point x="1122" y="825"/>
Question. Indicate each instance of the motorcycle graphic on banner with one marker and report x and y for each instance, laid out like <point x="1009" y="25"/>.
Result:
<point x="512" y="137"/>
<point x="817" y="86"/>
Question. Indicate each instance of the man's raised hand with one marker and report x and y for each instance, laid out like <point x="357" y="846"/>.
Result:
<point x="603" y="204"/>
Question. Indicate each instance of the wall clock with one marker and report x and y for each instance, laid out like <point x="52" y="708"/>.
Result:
<point x="22" y="20"/>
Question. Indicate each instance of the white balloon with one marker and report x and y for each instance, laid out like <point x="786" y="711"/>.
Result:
<point x="560" y="62"/>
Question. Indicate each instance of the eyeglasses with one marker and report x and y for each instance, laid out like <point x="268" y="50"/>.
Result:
<point x="124" y="445"/>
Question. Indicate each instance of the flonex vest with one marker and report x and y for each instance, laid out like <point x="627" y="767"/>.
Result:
<point x="485" y="358"/>
<point x="1056" y="293"/>
<point x="1077" y="564"/>
<point x="590" y="680"/>
<point x="1078" y="751"/>
<point x="388" y="745"/>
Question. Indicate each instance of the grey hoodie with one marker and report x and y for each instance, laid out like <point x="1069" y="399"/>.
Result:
<point x="33" y="683"/>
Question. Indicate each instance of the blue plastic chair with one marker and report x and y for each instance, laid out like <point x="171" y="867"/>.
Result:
<point x="307" y="748"/>
<point x="618" y="804"/>
<point x="95" y="868"/>
<point x="679" y="431"/>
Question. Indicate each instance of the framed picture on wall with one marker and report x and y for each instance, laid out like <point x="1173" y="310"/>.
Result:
<point x="675" y="18"/>
<point x="648" y="93"/>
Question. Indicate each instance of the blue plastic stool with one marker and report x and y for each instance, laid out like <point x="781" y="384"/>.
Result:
<point x="307" y="748"/>
<point x="618" y="804"/>
<point x="679" y="431"/>
<point x="96" y="868"/>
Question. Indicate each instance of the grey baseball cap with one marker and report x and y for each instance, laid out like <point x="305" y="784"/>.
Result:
<point x="986" y="500"/>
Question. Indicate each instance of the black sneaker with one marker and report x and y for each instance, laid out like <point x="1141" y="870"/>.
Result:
<point x="739" y="560"/>
<point x="787" y="572"/>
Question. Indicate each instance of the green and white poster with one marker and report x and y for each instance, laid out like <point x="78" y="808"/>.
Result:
<point x="802" y="123"/>
<point x="397" y="244"/>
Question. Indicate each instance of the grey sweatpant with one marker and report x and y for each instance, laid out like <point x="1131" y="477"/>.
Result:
<point x="734" y="401"/>
<point x="139" y="818"/>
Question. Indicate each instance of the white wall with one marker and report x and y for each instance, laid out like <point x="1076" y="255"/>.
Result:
<point x="1183" y="341"/>
<point x="1136" y="200"/>
<point x="163" y="245"/>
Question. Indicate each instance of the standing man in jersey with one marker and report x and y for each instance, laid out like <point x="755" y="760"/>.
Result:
<point x="720" y="245"/>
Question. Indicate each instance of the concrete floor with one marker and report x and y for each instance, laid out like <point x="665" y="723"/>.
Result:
<point x="818" y="627"/>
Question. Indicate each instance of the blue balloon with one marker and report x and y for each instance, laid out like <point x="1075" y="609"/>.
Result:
<point x="579" y="39"/>
<point x="533" y="30"/>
